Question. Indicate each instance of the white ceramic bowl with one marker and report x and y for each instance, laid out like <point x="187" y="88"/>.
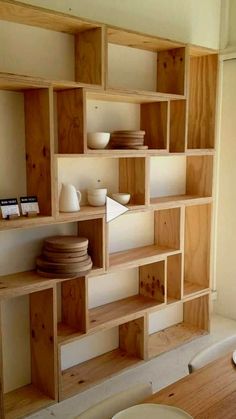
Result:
<point x="97" y="192"/>
<point x="96" y="201"/>
<point x="97" y="197"/>
<point x="98" y="140"/>
<point x="122" y="198"/>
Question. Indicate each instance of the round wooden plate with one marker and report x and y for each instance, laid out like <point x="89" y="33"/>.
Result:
<point x="52" y="275"/>
<point x="62" y="267"/>
<point x="65" y="257"/>
<point x="66" y="243"/>
<point x="128" y="132"/>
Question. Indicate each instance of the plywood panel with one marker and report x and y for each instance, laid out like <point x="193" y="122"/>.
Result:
<point x="138" y="40"/>
<point x="74" y="303"/>
<point x="199" y="175"/>
<point x="154" y="122"/>
<point x="38" y="147"/>
<point x="174" y="272"/>
<point x="71" y="121"/>
<point x="171" y="71"/>
<point x="34" y="16"/>
<point x="43" y="341"/>
<point x="202" y="101"/>
<point x="152" y="281"/>
<point x="197" y="244"/>
<point x="167" y="228"/>
<point x="172" y="337"/>
<point x="24" y="401"/>
<point x="132" y="338"/>
<point x="85" y="375"/>
<point x="89" y="56"/>
<point x="196" y="312"/>
<point x="94" y="231"/>
<point x="177" y="126"/>
<point x="132" y="178"/>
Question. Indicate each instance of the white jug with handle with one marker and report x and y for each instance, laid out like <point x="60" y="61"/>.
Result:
<point x="69" y="198"/>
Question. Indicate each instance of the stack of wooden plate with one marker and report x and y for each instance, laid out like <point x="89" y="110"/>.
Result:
<point x="128" y="140"/>
<point x="64" y="257"/>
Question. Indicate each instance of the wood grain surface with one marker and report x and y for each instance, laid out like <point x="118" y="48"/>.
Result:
<point x="209" y="393"/>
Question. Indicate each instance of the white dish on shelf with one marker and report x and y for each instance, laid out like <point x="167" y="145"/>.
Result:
<point x="98" y="140"/>
<point x="152" y="411"/>
<point x="234" y="357"/>
<point x="122" y="198"/>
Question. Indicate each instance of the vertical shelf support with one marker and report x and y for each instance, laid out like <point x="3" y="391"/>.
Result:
<point x="44" y="341"/>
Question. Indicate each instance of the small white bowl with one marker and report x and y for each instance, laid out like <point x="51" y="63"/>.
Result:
<point x="96" y="201"/>
<point x="122" y="198"/>
<point x="97" y="192"/>
<point x="98" y="140"/>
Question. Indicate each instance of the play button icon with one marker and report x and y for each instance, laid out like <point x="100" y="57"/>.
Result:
<point x="114" y="209"/>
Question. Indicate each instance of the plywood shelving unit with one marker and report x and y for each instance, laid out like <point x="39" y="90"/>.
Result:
<point x="178" y="115"/>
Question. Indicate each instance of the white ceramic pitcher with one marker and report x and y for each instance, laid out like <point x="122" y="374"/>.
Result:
<point x="69" y="198"/>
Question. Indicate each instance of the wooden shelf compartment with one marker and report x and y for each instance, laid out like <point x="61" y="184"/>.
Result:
<point x="131" y="351"/>
<point x="73" y="116"/>
<point x="77" y="320"/>
<point x="166" y="227"/>
<point x="174" y="278"/>
<point x="74" y="315"/>
<point x="42" y="391"/>
<point x="202" y="101"/>
<point x="197" y="248"/>
<point x="195" y="324"/>
<point x="170" y="58"/>
<point x="87" y="37"/>
<point x="152" y="285"/>
<point x="197" y="183"/>
<point x="34" y="149"/>
<point x="127" y="174"/>
<point x="22" y="402"/>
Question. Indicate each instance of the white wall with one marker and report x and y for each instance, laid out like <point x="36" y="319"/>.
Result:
<point x="232" y="26"/>
<point x="197" y="22"/>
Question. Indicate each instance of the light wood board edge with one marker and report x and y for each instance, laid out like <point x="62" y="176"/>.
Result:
<point x="27" y="14"/>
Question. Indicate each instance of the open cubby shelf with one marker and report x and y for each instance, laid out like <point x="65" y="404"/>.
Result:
<point x="175" y="103"/>
<point x="25" y="400"/>
<point x="112" y="313"/>
<point x="172" y="337"/>
<point x="80" y="377"/>
<point x="195" y="324"/>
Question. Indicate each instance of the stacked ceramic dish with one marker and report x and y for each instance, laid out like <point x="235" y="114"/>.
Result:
<point x="64" y="257"/>
<point x="128" y="140"/>
<point x="97" y="197"/>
